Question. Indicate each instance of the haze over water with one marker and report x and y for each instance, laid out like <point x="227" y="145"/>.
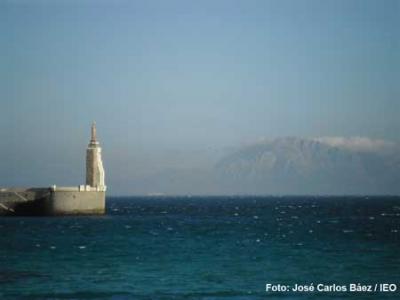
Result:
<point x="177" y="86"/>
<point x="201" y="98"/>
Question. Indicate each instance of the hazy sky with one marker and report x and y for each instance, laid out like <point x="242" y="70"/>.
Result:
<point x="173" y="83"/>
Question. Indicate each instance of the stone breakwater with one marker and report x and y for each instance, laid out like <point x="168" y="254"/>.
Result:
<point x="82" y="200"/>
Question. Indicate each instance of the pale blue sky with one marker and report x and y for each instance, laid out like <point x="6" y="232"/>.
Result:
<point x="187" y="78"/>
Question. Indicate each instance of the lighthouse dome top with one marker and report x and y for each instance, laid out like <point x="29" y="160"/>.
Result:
<point x="93" y="138"/>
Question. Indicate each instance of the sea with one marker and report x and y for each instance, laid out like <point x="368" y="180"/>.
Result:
<point x="237" y="247"/>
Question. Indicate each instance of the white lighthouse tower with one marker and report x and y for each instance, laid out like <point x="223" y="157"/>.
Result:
<point x="94" y="163"/>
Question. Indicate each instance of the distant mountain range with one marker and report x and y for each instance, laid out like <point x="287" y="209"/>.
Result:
<point x="313" y="166"/>
<point x="323" y="166"/>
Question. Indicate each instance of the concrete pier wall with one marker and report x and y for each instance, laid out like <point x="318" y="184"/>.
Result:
<point x="51" y="201"/>
<point x="77" y="203"/>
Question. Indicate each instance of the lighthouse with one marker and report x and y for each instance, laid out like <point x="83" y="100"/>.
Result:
<point x="87" y="199"/>
<point x="94" y="163"/>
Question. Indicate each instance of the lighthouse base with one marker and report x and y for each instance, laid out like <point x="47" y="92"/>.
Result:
<point x="51" y="202"/>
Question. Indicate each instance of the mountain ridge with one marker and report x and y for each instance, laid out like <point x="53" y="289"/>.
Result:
<point x="305" y="165"/>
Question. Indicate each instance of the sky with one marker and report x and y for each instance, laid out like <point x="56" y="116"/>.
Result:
<point x="176" y="84"/>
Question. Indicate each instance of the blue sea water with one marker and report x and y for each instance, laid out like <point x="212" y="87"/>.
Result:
<point x="204" y="248"/>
